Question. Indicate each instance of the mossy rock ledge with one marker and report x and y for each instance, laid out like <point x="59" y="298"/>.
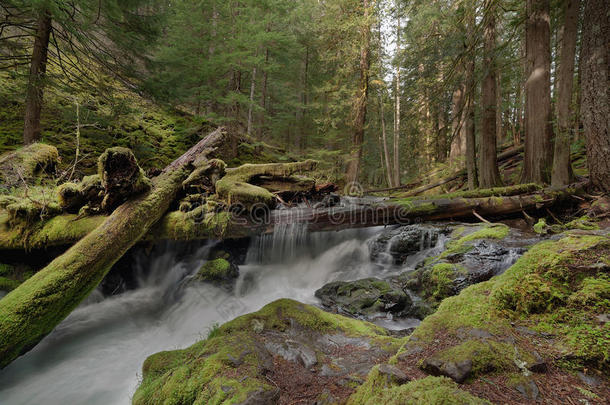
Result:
<point x="514" y="336"/>
<point x="284" y="350"/>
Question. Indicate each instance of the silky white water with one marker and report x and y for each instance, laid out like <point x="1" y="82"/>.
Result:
<point x="95" y="355"/>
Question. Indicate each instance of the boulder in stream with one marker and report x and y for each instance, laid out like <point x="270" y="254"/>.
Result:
<point x="398" y="243"/>
<point x="366" y="297"/>
<point x="286" y="350"/>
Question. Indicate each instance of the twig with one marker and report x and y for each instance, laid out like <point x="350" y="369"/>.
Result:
<point x="474" y="212"/>
<point x="553" y="216"/>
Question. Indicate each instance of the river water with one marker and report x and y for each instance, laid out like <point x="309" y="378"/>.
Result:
<point x="95" y="355"/>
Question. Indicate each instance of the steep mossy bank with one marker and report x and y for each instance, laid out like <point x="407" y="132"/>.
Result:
<point x="544" y="319"/>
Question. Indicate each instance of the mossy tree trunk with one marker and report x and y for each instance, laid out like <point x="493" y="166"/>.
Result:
<point x="38" y="68"/>
<point x="31" y="311"/>
<point x="595" y="108"/>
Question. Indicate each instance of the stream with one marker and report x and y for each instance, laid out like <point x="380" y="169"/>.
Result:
<point x="95" y="355"/>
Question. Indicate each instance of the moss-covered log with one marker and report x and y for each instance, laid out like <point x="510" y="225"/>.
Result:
<point x="201" y="224"/>
<point x="405" y="211"/>
<point x="236" y="186"/>
<point x="31" y="311"/>
<point x="27" y="163"/>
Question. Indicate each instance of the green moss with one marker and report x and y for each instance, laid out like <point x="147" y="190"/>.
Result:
<point x="429" y="390"/>
<point x="487" y="355"/>
<point x="278" y="315"/>
<point x="69" y="196"/>
<point x="584" y="223"/>
<point x="27" y="163"/>
<point x="540" y="227"/>
<point x="217" y="269"/>
<point x="235" y="188"/>
<point x="462" y="245"/>
<point x="438" y="281"/>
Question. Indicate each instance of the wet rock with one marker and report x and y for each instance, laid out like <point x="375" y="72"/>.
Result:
<point x="458" y="372"/>
<point x="363" y="297"/>
<point x="393" y="374"/>
<point x="218" y="271"/>
<point x="402" y="242"/>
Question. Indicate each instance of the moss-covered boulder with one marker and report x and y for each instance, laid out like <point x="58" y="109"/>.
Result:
<point x="251" y="358"/>
<point x="219" y="270"/>
<point x="474" y="253"/>
<point x="27" y="164"/>
<point x="544" y="313"/>
<point x="429" y="390"/>
<point x="369" y="296"/>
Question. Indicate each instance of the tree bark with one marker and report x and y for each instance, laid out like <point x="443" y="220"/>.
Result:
<point x="35" y="89"/>
<point x="251" y="106"/>
<point x="386" y="152"/>
<point x="353" y="165"/>
<point x="538" y="158"/>
<point x="595" y="110"/>
<point x="396" y="176"/>
<point x="489" y="176"/>
<point x="562" y="165"/>
<point x="458" y="133"/>
<point x="31" y="311"/>
<point x="471" y="145"/>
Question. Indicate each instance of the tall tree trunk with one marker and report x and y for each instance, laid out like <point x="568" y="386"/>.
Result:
<point x="489" y="175"/>
<point x="353" y="165"/>
<point x="458" y="134"/>
<point x="396" y="176"/>
<point x="35" y="89"/>
<point x="499" y="127"/>
<point x="538" y="157"/>
<point x="384" y="139"/>
<point x="595" y="109"/>
<point x="264" y="95"/>
<point x="471" y="144"/>
<point x="251" y="105"/>
<point x="562" y="166"/>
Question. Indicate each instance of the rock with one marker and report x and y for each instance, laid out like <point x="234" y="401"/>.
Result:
<point x="603" y="318"/>
<point x="590" y="380"/>
<point x="528" y="389"/>
<point x="363" y="297"/>
<point x="393" y="374"/>
<point x="293" y="351"/>
<point x="262" y="397"/>
<point x="538" y="365"/>
<point x="400" y="243"/>
<point x="458" y="372"/>
<point x="218" y="271"/>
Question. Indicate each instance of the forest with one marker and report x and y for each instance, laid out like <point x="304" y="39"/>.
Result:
<point x="304" y="201"/>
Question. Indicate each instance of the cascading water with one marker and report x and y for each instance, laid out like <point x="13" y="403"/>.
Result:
<point x="95" y="355"/>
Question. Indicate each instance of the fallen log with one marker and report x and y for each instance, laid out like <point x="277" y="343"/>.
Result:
<point x="400" y="211"/>
<point x="31" y="311"/>
<point x="65" y="230"/>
